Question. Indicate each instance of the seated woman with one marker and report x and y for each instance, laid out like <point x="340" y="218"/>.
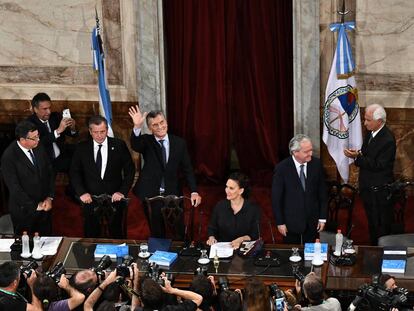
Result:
<point x="235" y="219"/>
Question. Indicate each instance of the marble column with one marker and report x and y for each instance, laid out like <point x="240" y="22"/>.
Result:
<point x="306" y="73"/>
<point x="150" y="55"/>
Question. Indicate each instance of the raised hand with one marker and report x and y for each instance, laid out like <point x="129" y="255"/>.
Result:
<point x="137" y="117"/>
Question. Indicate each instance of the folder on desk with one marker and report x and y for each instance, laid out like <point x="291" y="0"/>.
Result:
<point x="157" y="244"/>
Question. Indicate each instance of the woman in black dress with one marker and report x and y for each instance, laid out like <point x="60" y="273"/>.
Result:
<point x="235" y="219"/>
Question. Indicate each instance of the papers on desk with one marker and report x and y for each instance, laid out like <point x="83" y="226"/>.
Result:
<point x="223" y="250"/>
<point x="5" y="245"/>
<point x="49" y="245"/>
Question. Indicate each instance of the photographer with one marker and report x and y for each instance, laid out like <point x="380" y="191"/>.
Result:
<point x="84" y="281"/>
<point x="230" y="300"/>
<point x="256" y="296"/>
<point x="388" y="282"/>
<point x="47" y="291"/>
<point x="313" y="290"/>
<point x="10" y="299"/>
<point x="153" y="297"/>
<point x="97" y="292"/>
<point x="205" y="286"/>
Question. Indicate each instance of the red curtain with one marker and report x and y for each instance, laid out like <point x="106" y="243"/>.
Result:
<point x="229" y="82"/>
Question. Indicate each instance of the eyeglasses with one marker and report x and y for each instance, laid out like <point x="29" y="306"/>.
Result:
<point x="34" y="138"/>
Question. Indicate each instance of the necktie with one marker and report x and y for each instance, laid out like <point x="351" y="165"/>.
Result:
<point x="163" y="152"/>
<point x="302" y="177"/>
<point x="164" y="162"/>
<point x="32" y="157"/>
<point x="99" y="160"/>
<point x="370" y="138"/>
<point x="53" y="147"/>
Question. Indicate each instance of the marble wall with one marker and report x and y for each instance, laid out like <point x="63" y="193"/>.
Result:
<point x="382" y="45"/>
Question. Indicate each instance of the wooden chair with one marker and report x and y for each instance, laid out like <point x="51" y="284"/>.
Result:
<point x="173" y="212"/>
<point x="397" y="194"/>
<point x="340" y="197"/>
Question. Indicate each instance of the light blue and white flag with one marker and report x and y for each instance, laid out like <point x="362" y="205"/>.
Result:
<point x="105" y="107"/>
<point x="341" y="117"/>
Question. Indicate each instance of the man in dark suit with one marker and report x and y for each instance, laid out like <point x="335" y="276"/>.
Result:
<point x="376" y="168"/>
<point x="299" y="198"/>
<point x="165" y="157"/>
<point x="29" y="177"/>
<point x="53" y="129"/>
<point x="102" y="165"/>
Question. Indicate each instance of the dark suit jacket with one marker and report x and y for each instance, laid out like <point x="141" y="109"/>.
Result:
<point x="119" y="173"/>
<point x="149" y="181"/>
<point x="48" y="138"/>
<point x="291" y="205"/>
<point x="27" y="185"/>
<point x="377" y="160"/>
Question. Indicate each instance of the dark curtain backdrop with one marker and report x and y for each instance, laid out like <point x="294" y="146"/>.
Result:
<point x="230" y="82"/>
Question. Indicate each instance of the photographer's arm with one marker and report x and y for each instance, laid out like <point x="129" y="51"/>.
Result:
<point x="35" y="305"/>
<point x="94" y="296"/>
<point x="136" y="301"/>
<point x="184" y="294"/>
<point x="75" y="297"/>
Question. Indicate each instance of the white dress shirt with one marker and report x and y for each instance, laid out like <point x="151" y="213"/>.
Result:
<point x="104" y="153"/>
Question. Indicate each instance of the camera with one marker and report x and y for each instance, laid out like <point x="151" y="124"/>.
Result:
<point x="299" y="276"/>
<point x="27" y="268"/>
<point x="379" y="298"/>
<point x="202" y="270"/>
<point x="103" y="264"/>
<point x="278" y="297"/>
<point x="223" y="283"/>
<point x="123" y="269"/>
<point x="56" y="272"/>
<point x="154" y="272"/>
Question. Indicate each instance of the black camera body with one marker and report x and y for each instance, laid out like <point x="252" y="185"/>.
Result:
<point x="202" y="270"/>
<point x="299" y="276"/>
<point x="27" y="268"/>
<point x="277" y="296"/>
<point x="56" y="272"/>
<point x="154" y="272"/>
<point x="103" y="264"/>
<point x="223" y="283"/>
<point x="123" y="269"/>
<point x="380" y="298"/>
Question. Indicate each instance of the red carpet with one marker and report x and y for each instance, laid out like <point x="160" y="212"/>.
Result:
<point x="67" y="216"/>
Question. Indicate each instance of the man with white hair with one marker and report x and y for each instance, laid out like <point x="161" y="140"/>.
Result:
<point x="299" y="199"/>
<point x="376" y="164"/>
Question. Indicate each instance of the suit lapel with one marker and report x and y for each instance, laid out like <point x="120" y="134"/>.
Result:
<point x="22" y="158"/>
<point x="294" y="172"/>
<point x="91" y="158"/>
<point x="111" y="153"/>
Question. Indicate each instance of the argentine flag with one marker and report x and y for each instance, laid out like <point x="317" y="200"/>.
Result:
<point x="105" y="107"/>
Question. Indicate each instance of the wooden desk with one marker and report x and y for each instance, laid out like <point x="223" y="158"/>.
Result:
<point x="369" y="259"/>
<point x="78" y="254"/>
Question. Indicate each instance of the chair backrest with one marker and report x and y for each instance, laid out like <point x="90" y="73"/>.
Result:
<point x="340" y="197"/>
<point x="172" y="212"/>
<point x="405" y="240"/>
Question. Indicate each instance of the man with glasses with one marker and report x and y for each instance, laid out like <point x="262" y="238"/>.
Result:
<point x="29" y="177"/>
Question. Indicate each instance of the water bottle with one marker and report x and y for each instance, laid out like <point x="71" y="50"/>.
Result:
<point x="317" y="258"/>
<point x="25" y="245"/>
<point x="36" y="253"/>
<point x="339" y="240"/>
